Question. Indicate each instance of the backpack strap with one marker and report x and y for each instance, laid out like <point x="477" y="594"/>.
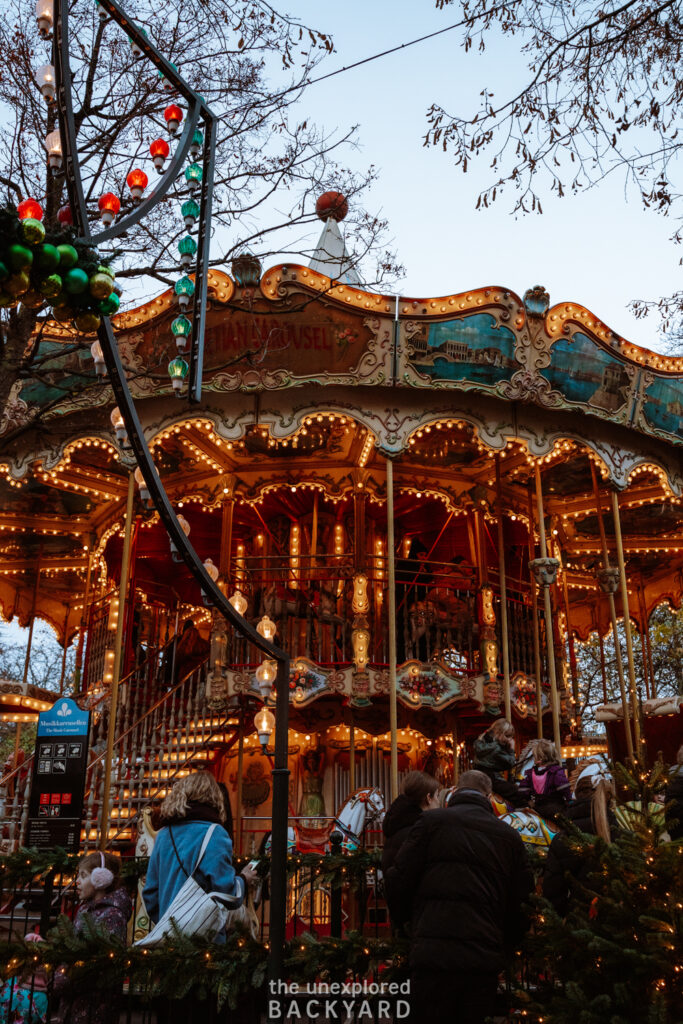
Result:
<point x="207" y="837"/>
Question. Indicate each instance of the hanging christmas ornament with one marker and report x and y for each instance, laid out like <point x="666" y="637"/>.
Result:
<point x="64" y="215"/>
<point x="159" y="151"/>
<point x="173" y="115"/>
<point x="184" y="289"/>
<point x="29" y="208"/>
<point x="137" y="182"/>
<point x="109" y="205"/>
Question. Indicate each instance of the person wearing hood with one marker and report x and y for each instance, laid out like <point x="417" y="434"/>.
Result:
<point x="460" y="879"/>
<point x="494" y="753"/>
<point x="106" y="905"/>
<point x="418" y="794"/>
<point x="193" y="805"/>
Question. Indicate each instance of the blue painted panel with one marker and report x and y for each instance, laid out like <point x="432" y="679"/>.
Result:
<point x="473" y="349"/>
<point x="585" y="373"/>
<point x="663" y="406"/>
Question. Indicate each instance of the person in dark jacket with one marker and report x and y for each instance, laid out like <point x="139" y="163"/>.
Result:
<point x="460" y="879"/>
<point x="545" y="785"/>
<point x="673" y="811"/>
<point x="591" y="813"/>
<point x="494" y="753"/>
<point x="418" y="794"/>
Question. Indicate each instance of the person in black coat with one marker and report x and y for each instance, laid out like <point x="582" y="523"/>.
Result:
<point x="673" y="810"/>
<point x="417" y="794"/>
<point x="461" y="879"/>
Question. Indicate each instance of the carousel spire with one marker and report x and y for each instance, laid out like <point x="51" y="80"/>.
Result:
<point x="330" y="257"/>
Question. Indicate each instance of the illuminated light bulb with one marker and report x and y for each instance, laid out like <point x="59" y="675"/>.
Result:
<point x="173" y="115"/>
<point x="109" y="205"/>
<point x="29" y="208"/>
<point x="239" y="602"/>
<point x="142" y="485"/>
<point x="193" y="176"/>
<point x="264" y="723"/>
<point x="137" y="182"/>
<point x="178" y="371"/>
<point x="266" y="627"/>
<point x="45" y="77"/>
<point x="44" y="17"/>
<point x="118" y="425"/>
<point x="159" y="151"/>
<point x="184" y="289"/>
<point x="185" y="527"/>
<point x="53" y="145"/>
<point x="266" y="674"/>
<point x="98" y="357"/>
<point x="187" y="247"/>
<point x="108" y="672"/>
<point x="182" y="329"/>
<point x="190" y="212"/>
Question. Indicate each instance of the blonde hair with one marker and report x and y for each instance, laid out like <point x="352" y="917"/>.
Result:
<point x="501" y="729"/>
<point x="197" y="788"/>
<point x="545" y="752"/>
<point x="601" y="797"/>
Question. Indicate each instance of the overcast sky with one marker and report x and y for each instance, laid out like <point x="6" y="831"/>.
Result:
<point x="601" y="249"/>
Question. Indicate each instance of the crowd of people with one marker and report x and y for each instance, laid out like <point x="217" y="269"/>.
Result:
<point x="458" y="879"/>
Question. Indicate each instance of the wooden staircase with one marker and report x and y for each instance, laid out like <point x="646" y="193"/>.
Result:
<point x="156" y="742"/>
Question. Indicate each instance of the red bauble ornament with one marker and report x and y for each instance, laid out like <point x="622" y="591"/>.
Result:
<point x="110" y="202"/>
<point x="30" y="208"/>
<point x="332" y="204"/>
<point x="64" y="215"/>
<point x="137" y="182"/>
<point x="159" y="148"/>
<point x="173" y="115"/>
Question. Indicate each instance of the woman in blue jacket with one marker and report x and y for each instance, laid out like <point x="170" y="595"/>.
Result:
<point x="194" y="804"/>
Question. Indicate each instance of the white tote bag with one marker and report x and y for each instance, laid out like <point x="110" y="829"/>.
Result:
<point x="194" y="910"/>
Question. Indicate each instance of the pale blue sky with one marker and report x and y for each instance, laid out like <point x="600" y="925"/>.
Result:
<point x="597" y="249"/>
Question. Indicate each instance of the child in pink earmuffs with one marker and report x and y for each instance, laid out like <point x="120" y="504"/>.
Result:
<point x="105" y="904"/>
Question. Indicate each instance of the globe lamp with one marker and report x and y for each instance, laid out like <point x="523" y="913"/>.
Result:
<point x="187" y="247"/>
<point x="159" y="151"/>
<point x="109" y="205"/>
<point x="173" y="115"/>
<point x="178" y="371"/>
<point x="45" y="77"/>
<point x="264" y="722"/>
<point x="184" y="289"/>
<point x="182" y="329"/>
<point x="190" y="212"/>
<point x="137" y="182"/>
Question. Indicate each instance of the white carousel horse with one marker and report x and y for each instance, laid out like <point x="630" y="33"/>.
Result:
<point x="363" y="808"/>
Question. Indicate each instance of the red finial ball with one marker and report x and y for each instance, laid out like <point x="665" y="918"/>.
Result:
<point x="64" y="215"/>
<point x="30" y="208"/>
<point x="332" y="204"/>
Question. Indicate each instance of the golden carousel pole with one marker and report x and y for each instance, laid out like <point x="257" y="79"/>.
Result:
<point x="29" y="645"/>
<point x="240" y="772"/>
<point x="627" y="618"/>
<point x="116" y="674"/>
<point x="554" y="697"/>
<point x="391" y="613"/>
<point x="352" y="757"/>
<point x="534" y="612"/>
<point x="644" y="630"/>
<point x="84" y="618"/>
<point x="607" y="578"/>
<point x="503" y="598"/>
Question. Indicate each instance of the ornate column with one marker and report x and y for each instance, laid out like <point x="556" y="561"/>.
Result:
<point x="545" y="571"/>
<point x="627" y="618"/>
<point x="113" y="701"/>
<point x="84" y="618"/>
<point x="608" y="578"/>
<point x="391" y="613"/>
<point x="503" y="596"/>
<point x="534" y="613"/>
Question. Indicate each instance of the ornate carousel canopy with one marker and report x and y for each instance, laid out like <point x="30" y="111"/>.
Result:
<point x="483" y="402"/>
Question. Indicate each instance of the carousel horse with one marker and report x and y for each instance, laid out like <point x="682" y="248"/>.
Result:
<point x="143" y="848"/>
<point x="363" y="808"/>
<point x="533" y="829"/>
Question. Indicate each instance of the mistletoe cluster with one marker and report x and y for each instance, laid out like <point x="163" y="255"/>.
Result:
<point x="40" y="267"/>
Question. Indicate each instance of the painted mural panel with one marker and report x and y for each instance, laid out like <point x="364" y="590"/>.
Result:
<point x="585" y="373"/>
<point x="662" y="407"/>
<point x="474" y="349"/>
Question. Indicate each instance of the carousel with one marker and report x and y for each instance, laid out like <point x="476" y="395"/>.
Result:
<point x="427" y="502"/>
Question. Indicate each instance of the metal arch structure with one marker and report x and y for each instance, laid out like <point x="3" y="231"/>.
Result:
<point x="198" y="111"/>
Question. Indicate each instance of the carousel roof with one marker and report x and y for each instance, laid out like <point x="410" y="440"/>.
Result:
<point x="309" y="384"/>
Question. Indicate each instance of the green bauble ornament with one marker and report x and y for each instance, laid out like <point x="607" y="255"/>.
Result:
<point x="32" y="231"/>
<point x="20" y="258"/>
<point x="4" y="272"/>
<point x="32" y="299"/>
<point x="51" y="286"/>
<point x="7" y="301"/>
<point x="75" y="281"/>
<point x="87" y="322"/>
<point x="47" y="258"/>
<point x="106" y="270"/>
<point x="68" y="257"/>
<point x="110" y="305"/>
<point x="101" y="286"/>
<point x="18" y="283"/>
